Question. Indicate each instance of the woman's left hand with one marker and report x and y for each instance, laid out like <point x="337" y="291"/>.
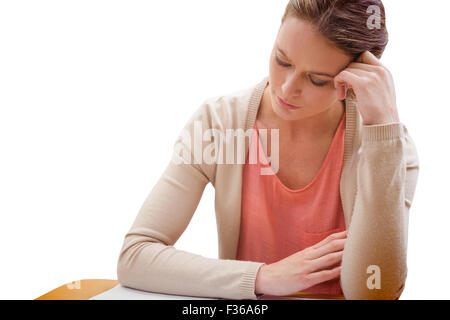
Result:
<point x="374" y="89"/>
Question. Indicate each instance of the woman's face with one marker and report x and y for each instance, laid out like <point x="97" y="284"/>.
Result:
<point x="302" y="66"/>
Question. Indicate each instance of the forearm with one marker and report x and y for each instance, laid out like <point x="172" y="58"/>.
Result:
<point x="377" y="238"/>
<point x="158" y="268"/>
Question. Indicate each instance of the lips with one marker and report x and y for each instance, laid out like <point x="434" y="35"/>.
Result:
<point x="287" y="105"/>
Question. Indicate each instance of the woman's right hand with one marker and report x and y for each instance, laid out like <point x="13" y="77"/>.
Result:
<point x="303" y="269"/>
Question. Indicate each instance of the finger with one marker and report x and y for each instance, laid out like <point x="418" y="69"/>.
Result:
<point x="369" y="58"/>
<point x="363" y="66"/>
<point x="342" y="91"/>
<point x="346" y="77"/>
<point x="332" y="246"/>
<point x="324" y="275"/>
<point x="337" y="235"/>
<point x="325" y="261"/>
<point x="360" y="72"/>
<point x="378" y="70"/>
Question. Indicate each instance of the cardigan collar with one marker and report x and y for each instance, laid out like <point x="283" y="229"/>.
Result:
<point x="352" y="124"/>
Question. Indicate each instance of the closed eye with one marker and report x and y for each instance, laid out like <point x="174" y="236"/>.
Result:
<point x="314" y="82"/>
<point x="318" y="83"/>
<point x="281" y="63"/>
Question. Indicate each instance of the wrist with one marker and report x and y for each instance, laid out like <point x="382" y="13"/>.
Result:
<point x="259" y="282"/>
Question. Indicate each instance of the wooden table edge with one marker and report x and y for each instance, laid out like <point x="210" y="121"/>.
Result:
<point x="88" y="288"/>
<point x="79" y="290"/>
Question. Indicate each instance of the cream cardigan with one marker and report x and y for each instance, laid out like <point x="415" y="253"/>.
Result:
<point x="378" y="181"/>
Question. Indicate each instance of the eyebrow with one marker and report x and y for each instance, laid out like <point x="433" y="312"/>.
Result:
<point x="313" y="72"/>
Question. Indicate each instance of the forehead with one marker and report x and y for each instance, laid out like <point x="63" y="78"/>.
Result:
<point x="307" y="48"/>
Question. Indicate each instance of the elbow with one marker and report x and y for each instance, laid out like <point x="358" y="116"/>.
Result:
<point x="136" y="263"/>
<point x="122" y="271"/>
<point x="373" y="294"/>
<point x="360" y="288"/>
<point x="126" y="263"/>
<point x="364" y="293"/>
<point x="128" y="272"/>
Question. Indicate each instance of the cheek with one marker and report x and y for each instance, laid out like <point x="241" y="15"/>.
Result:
<point x="319" y="98"/>
<point x="274" y="72"/>
<point x="276" y="79"/>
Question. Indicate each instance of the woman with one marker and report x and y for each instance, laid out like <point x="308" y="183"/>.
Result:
<point x="332" y="214"/>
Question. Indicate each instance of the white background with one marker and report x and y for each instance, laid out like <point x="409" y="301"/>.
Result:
<point x="93" y="94"/>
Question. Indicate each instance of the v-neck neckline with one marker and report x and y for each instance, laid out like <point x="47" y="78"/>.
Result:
<point x="324" y="165"/>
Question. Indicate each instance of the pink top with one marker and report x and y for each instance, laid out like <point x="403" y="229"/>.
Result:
<point x="277" y="221"/>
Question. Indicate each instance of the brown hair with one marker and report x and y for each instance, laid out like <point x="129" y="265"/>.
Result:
<point x="344" y="23"/>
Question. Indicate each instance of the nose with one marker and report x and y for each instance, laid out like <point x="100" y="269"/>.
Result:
<point x="291" y="87"/>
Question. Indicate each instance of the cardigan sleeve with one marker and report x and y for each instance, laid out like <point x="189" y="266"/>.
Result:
<point x="374" y="263"/>
<point x="149" y="261"/>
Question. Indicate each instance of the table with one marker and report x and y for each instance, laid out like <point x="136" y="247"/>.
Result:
<point x="79" y="290"/>
<point x="88" y="288"/>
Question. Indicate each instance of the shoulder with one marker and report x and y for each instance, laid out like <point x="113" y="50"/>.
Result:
<point x="227" y="111"/>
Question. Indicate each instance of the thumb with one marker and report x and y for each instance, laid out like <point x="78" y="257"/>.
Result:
<point x="342" y="90"/>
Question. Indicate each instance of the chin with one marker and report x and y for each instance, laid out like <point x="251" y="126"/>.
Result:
<point x="286" y="114"/>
